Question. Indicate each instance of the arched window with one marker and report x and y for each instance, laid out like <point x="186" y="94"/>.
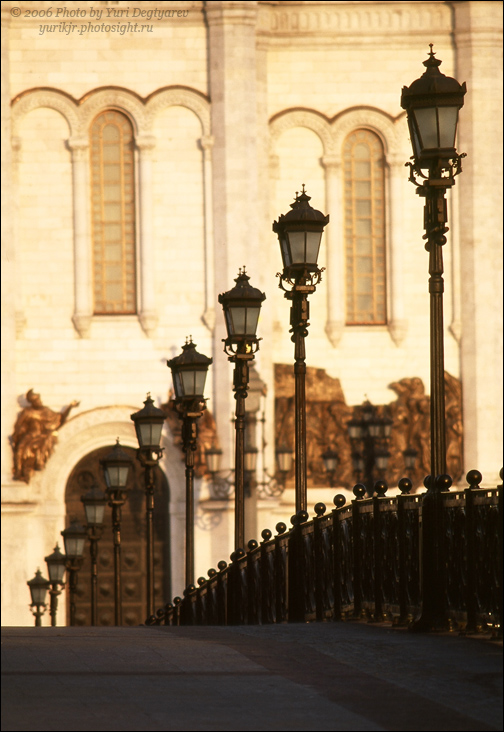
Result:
<point x="364" y="181"/>
<point x="113" y="213"/>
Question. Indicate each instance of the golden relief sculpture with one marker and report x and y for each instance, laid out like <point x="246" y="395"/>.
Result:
<point x="207" y="433"/>
<point x="35" y="435"/>
<point x="328" y="415"/>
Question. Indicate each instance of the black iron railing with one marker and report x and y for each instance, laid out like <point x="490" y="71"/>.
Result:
<point x="362" y="560"/>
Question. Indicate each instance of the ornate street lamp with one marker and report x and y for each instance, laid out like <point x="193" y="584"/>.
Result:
<point x="56" y="566"/>
<point x="149" y="425"/>
<point x="116" y="467"/>
<point x="94" y="502"/>
<point x="189" y="371"/>
<point x="432" y="104"/>
<point x="74" y="538"/>
<point x="38" y="588"/>
<point x="241" y="306"/>
<point x="331" y="461"/>
<point x="299" y="234"/>
<point x="369" y="436"/>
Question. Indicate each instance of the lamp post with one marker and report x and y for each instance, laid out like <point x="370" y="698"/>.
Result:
<point x="369" y="436"/>
<point x="189" y="371"/>
<point x="241" y="306"/>
<point x="432" y="104"/>
<point x="38" y="588"/>
<point x="331" y="462"/>
<point x="56" y="565"/>
<point x="74" y="538"/>
<point x="299" y="233"/>
<point x="149" y="425"/>
<point x="116" y="468"/>
<point x="94" y="502"/>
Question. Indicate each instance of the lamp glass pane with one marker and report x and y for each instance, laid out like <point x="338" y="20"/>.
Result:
<point x="312" y="246"/>
<point x="213" y="460"/>
<point x="123" y="476"/>
<point x="354" y="431"/>
<point x="252" y="320"/>
<point x="56" y="571"/>
<point x="330" y="464"/>
<point x="284" y="247"/>
<point x="297" y="246"/>
<point x="284" y="460"/>
<point x="374" y="429"/>
<point x="382" y="461"/>
<point x="188" y="383"/>
<point x="94" y="514"/>
<point x="250" y="460"/>
<point x="447" y="125"/>
<point x="199" y="382"/>
<point x="427" y="125"/>
<point x="72" y="547"/>
<point x="239" y="320"/>
<point x="177" y="384"/>
<point x="38" y="593"/>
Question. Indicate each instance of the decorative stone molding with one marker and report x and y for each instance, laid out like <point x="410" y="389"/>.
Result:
<point x="82" y="324"/>
<point x="334" y="330"/>
<point x="302" y="118"/>
<point x="79" y="115"/>
<point x="393" y="20"/>
<point x="398" y="330"/>
<point x="232" y="13"/>
<point x="51" y="98"/>
<point x="180" y="97"/>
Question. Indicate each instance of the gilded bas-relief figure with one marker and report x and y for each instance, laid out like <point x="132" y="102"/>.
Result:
<point x="35" y="435"/>
<point x="328" y="415"/>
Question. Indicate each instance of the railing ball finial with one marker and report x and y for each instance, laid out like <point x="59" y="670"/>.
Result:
<point x="222" y="565"/>
<point x="339" y="500"/>
<point x="474" y="478"/>
<point x="266" y="534"/>
<point x="320" y="509"/>
<point x="359" y="491"/>
<point x="281" y="528"/>
<point x="380" y="488"/>
<point x="443" y="482"/>
<point x="405" y="485"/>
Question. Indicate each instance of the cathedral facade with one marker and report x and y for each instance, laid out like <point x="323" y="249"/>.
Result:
<point x="146" y="151"/>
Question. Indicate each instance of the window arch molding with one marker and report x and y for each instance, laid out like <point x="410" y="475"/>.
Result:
<point x="141" y="112"/>
<point x="332" y="132"/>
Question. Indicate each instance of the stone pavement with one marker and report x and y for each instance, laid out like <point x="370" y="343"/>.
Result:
<point x="322" y="676"/>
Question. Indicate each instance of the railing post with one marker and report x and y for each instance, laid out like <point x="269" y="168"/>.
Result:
<point x="324" y="570"/>
<point x="359" y="492"/>
<point x="282" y="576"/>
<point x="268" y="578"/>
<point x="405" y="485"/>
<point x="380" y="488"/>
<point x="473" y="478"/>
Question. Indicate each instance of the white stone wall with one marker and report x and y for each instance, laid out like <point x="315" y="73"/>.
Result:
<point x="234" y="108"/>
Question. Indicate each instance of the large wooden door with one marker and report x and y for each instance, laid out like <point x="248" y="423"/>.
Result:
<point x="133" y="544"/>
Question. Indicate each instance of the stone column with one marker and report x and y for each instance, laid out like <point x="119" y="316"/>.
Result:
<point x="206" y="143"/>
<point x="232" y="70"/>
<point x="334" y="234"/>
<point x="148" y="314"/>
<point x="83" y="311"/>
<point x="478" y="42"/>
<point x="398" y="325"/>
<point x="9" y="403"/>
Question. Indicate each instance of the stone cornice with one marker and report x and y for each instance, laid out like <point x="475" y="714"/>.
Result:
<point x="347" y="18"/>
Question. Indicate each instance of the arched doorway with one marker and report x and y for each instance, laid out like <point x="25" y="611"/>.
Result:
<point x="133" y="543"/>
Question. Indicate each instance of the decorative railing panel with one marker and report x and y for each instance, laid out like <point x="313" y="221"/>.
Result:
<point x="361" y="560"/>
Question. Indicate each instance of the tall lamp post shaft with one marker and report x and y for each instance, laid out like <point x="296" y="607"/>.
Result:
<point x="116" y="524"/>
<point x="191" y="427"/>
<point x="300" y="304"/>
<point x="149" y="514"/>
<point x="241" y="376"/>
<point x="435" y="220"/>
